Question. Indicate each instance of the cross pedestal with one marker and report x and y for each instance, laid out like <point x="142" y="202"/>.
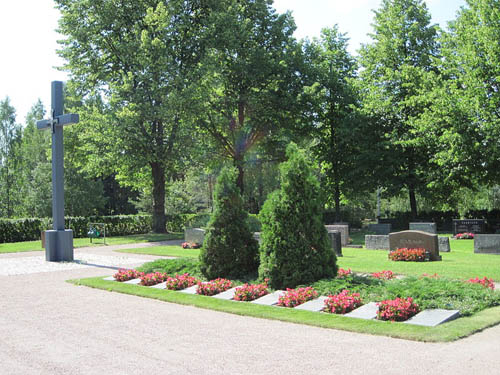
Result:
<point x="59" y="241"/>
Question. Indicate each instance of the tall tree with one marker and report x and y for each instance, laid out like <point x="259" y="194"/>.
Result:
<point x="395" y="68"/>
<point x="137" y="54"/>
<point x="10" y="159"/>
<point x="250" y="82"/>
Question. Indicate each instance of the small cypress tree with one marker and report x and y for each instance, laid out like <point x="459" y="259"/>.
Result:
<point x="295" y="246"/>
<point x="229" y="249"/>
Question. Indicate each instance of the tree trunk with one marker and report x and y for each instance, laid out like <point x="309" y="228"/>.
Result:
<point x="159" y="219"/>
<point x="337" y="202"/>
<point x="413" y="202"/>
<point x="238" y="163"/>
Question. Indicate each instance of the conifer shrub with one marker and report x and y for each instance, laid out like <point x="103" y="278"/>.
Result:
<point x="229" y="249"/>
<point x="295" y="247"/>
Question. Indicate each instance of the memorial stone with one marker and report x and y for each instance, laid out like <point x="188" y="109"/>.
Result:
<point x="424" y="227"/>
<point x="415" y="239"/>
<point x="487" y="243"/>
<point x="380" y="229"/>
<point x="343" y="229"/>
<point x="194" y="235"/>
<point x="376" y="242"/>
<point x="444" y="244"/>
<point x="336" y="241"/>
<point x="469" y="226"/>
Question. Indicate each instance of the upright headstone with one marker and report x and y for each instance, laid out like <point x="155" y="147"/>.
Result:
<point x="444" y="244"/>
<point x="424" y="227"/>
<point x="487" y="244"/>
<point x="380" y="229"/>
<point x="469" y="226"/>
<point x="376" y="242"/>
<point x="194" y="235"/>
<point x="343" y="229"/>
<point x="335" y="239"/>
<point x="415" y="239"/>
<point x="59" y="241"/>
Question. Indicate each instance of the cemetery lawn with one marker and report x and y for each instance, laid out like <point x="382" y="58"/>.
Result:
<point x="446" y="332"/>
<point x="16" y="247"/>
<point x="172" y="251"/>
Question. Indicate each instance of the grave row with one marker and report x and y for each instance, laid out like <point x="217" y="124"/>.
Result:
<point x="428" y="318"/>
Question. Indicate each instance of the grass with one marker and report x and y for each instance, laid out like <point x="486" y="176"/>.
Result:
<point x="16" y="247"/>
<point x="450" y="331"/>
<point x="172" y="251"/>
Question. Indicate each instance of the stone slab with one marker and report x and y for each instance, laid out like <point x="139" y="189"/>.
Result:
<point x="228" y="294"/>
<point x="380" y="229"/>
<point x="469" y="226"/>
<point x="269" y="299"/>
<point x="415" y="239"/>
<point x="194" y="235"/>
<point x="317" y="304"/>
<point x="343" y="229"/>
<point x="424" y="227"/>
<point x="336" y="241"/>
<point x="162" y="285"/>
<point x="487" y="244"/>
<point x="444" y="244"/>
<point x="257" y="237"/>
<point x="190" y="290"/>
<point x="133" y="281"/>
<point x="376" y="242"/>
<point x="368" y="311"/>
<point x="109" y="278"/>
<point x="433" y="317"/>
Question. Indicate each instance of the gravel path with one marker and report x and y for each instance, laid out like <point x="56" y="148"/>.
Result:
<point x="48" y="326"/>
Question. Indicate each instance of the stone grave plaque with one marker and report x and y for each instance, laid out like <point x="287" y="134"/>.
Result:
<point x="317" y="304"/>
<point x="190" y="290"/>
<point x="162" y="285"/>
<point x="376" y="242"/>
<point x="415" y="239"/>
<point x="433" y="317"/>
<point x="424" y="227"/>
<point x="336" y="241"/>
<point x="469" y="226"/>
<point x="228" y="294"/>
<point x="380" y="229"/>
<point x="368" y="311"/>
<point x="194" y="235"/>
<point x="444" y="244"/>
<point x="269" y="299"/>
<point x="133" y="281"/>
<point x="109" y="278"/>
<point x="487" y="243"/>
<point x="343" y="229"/>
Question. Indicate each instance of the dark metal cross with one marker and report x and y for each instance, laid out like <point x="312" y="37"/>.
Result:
<point x="58" y="242"/>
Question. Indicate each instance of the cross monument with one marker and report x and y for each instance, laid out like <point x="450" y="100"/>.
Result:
<point x="59" y="241"/>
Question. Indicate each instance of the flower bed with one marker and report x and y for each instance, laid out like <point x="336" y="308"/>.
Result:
<point x="408" y="255"/>
<point x="343" y="302"/>
<point x="190" y="245"/>
<point x="464" y="236"/>
<point x="153" y="278"/>
<point x="397" y="310"/>
<point x="250" y="292"/>
<point x="126" y="275"/>
<point x="341" y="273"/>
<point x="295" y="297"/>
<point x="487" y="283"/>
<point x="383" y="275"/>
<point x="179" y="282"/>
<point x="213" y="287"/>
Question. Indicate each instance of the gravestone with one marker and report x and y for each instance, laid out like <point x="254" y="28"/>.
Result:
<point x="336" y="241"/>
<point x="469" y="226"/>
<point x="380" y="229"/>
<point x="433" y="317"/>
<point x="59" y="241"/>
<point x="444" y="244"/>
<point x="487" y="243"/>
<point x="376" y="242"/>
<point x="257" y="237"/>
<point x="424" y="227"/>
<point x="415" y="239"/>
<point x="343" y="229"/>
<point x="194" y="235"/>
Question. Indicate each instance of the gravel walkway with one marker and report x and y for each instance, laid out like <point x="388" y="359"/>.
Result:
<point x="48" y="326"/>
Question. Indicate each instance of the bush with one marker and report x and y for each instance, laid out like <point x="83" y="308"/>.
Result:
<point x="126" y="275"/>
<point x="487" y="283"/>
<point x="229" y="249"/>
<point x="211" y="288"/>
<point x="250" y="292"/>
<point x="180" y="282"/>
<point x="408" y="255"/>
<point x="342" y="303"/>
<point x="295" y="297"/>
<point x="153" y="278"/>
<point x="295" y="246"/>
<point x="397" y="310"/>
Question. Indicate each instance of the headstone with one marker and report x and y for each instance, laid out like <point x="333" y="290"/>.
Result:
<point x="317" y="304"/>
<point x="336" y="241"/>
<point x="469" y="226"/>
<point x="227" y="295"/>
<point x="133" y="282"/>
<point x="380" y="229"/>
<point x="162" y="285"/>
<point x="190" y="290"/>
<point x="433" y="317"/>
<point x="415" y="239"/>
<point x="59" y="241"/>
<point x="269" y="299"/>
<point x="424" y="227"/>
<point x="487" y="243"/>
<point x="444" y="244"/>
<point x="194" y="235"/>
<point x="109" y="278"/>
<point x="257" y="237"/>
<point x="368" y="311"/>
<point x="376" y="242"/>
<point x="343" y="229"/>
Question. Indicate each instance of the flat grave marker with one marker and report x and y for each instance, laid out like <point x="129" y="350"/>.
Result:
<point x="433" y="317"/>
<point x="316" y="305"/>
<point x="368" y="311"/>
<point x="269" y="299"/>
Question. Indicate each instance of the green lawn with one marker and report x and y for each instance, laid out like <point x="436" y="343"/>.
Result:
<point x="16" y="247"/>
<point x="172" y="251"/>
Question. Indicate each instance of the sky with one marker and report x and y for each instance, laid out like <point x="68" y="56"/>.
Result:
<point x="29" y="39"/>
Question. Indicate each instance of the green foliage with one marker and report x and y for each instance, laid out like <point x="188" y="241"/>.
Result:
<point x="295" y="245"/>
<point x="172" y="266"/>
<point x="229" y="249"/>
